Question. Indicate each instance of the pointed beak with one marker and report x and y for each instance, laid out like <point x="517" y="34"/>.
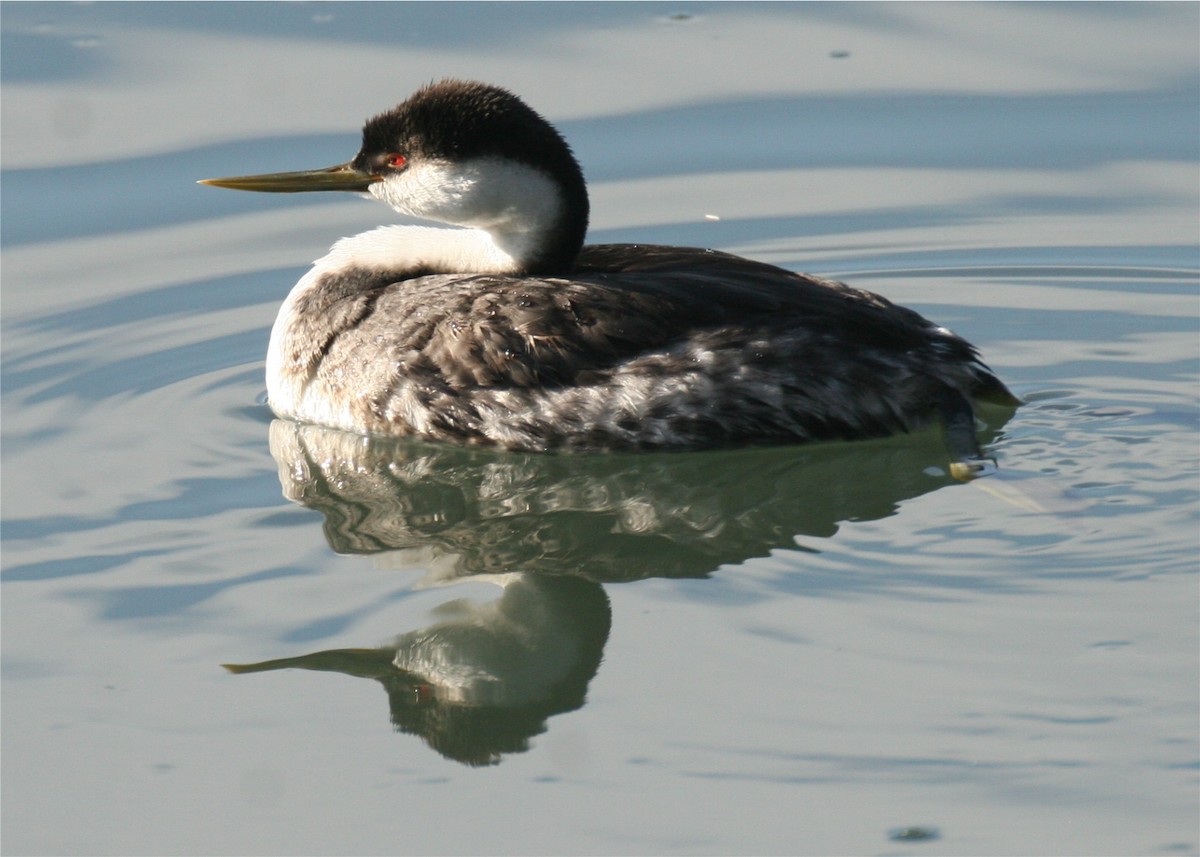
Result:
<point x="343" y="177"/>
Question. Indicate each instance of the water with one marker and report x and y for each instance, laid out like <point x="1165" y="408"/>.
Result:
<point x="825" y="650"/>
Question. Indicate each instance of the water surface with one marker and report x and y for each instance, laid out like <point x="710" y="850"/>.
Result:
<point x="834" y="649"/>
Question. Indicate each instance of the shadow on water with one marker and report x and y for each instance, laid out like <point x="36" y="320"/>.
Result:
<point x="551" y="530"/>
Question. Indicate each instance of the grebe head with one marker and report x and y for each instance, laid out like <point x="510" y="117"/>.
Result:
<point x="467" y="154"/>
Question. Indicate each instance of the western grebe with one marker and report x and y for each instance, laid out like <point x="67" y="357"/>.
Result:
<point x="510" y="332"/>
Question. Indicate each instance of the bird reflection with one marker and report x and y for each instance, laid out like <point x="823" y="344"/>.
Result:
<point x="484" y="679"/>
<point x="608" y="518"/>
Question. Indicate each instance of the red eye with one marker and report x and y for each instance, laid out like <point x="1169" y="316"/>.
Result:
<point x="395" y="159"/>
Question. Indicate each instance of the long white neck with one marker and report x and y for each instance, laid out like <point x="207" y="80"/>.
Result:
<point x="405" y="250"/>
<point x="511" y="213"/>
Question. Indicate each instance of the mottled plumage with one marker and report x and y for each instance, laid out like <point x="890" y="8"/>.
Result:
<point x="510" y="333"/>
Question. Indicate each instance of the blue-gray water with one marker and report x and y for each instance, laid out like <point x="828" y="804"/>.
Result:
<point x="796" y="651"/>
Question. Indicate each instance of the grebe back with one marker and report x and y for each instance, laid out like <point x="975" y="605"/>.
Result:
<point x="510" y="332"/>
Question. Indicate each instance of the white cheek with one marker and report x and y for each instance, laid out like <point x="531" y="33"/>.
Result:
<point x="485" y="193"/>
<point x="433" y="191"/>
